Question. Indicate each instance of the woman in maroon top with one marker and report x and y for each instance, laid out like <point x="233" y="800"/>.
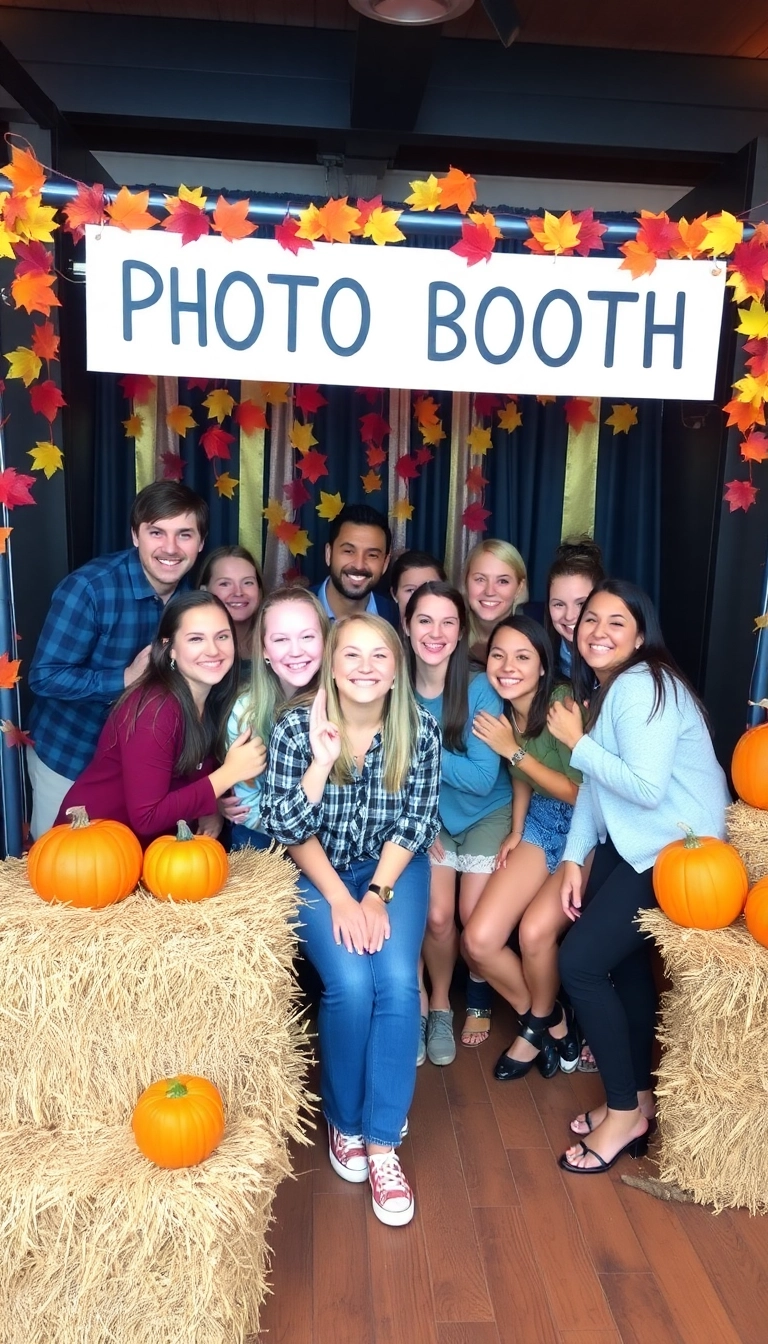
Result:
<point x="156" y="760"/>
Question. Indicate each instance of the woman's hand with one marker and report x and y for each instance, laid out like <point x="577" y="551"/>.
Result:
<point x="210" y="825"/>
<point x="324" y="736"/>
<point x="570" y="890"/>
<point x="496" y="733"/>
<point x="376" y="921"/>
<point x="564" y="722"/>
<point x="505" y="849"/>
<point x="436" y="850"/>
<point x="232" y="809"/>
<point x="350" y="926"/>
<point x="247" y="757"/>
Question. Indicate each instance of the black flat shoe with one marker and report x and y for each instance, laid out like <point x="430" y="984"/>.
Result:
<point x="635" y="1148"/>
<point x="534" y="1031"/>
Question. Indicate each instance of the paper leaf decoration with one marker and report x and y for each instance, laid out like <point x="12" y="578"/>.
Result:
<point x="406" y="469"/>
<point x="215" y="442"/>
<point x="129" y="210"/>
<point x="724" y="231"/>
<point x="425" y="411"/>
<point x="296" y="493"/>
<point x="14" y="488"/>
<point x="276" y="394"/>
<point x="25" y="172"/>
<point x="225" y="485"/>
<point x="231" y="219"/>
<point x="5" y="533"/>
<point x="475" y="481"/>
<point x="375" y="456"/>
<point x="45" y="342"/>
<point x="35" y="293"/>
<point x="692" y="237"/>
<point x="36" y="221"/>
<point x="249" y="417"/>
<point x="219" y="404"/>
<point x="381" y="226"/>
<point x="312" y="466"/>
<point x="371" y="482"/>
<point x="373" y="428"/>
<point x="590" y="233"/>
<point x="46" y="399"/>
<point x="137" y="387"/>
<point x="638" y="259"/>
<point x="479" y="440"/>
<point x="740" y="495"/>
<point x="133" y="426"/>
<point x="432" y="434"/>
<point x="32" y="259"/>
<point x="308" y="398"/>
<point x="180" y="419"/>
<point x="475" y="518"/>
<point x="274" y="513"/>
<point x="87" y="207"/>
<point x="485" y="403"/>
<point x="510" y="418"/>
<point x="173" y="466"/>
<point x="754" y="321"/>
<point x="402" y="511"/>
<point x="9" y="671"/>
<point x="425" y="195"/>
<point x="423" y="455"/>
<point x="189" y="221"/>
<point x="285" y="530"/>
<point x="299" y="543"/>
<point x="301" y="436"/>
<point x="24" y="364"/>
<point x="578" y="413"/>
<point x="287" y="235"/>
<point x="366" y="208"/>
<point x="755" y="448"/>
<point x="475" y="244"/>
<point x="743" y="414"/>
<point x="658" y="232"/>
<point x="622" y="418"/>
<point x="458" y="189"/>
<point x="330" y="506"/>
<point x="46" y="457"/>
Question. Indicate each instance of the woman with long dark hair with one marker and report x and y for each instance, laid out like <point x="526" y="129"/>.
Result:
<point x="475" y="802"/>
<point x="576" y="568"/>
<point x="648" y="764"/>
<point x="408" y="572"/>
<point x="157" y="759"/>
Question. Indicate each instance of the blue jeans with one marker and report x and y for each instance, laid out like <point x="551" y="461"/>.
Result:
<point x="242" y="836"/>
<point x="369" y="1009"/>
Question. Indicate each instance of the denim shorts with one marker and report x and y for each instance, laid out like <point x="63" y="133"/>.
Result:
<point x="547" y="826"/>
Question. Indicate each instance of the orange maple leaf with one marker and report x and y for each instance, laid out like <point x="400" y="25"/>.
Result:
<point x="457" y="188"/>
<point x="638" y="259"/>
<point x="744" y="414"/>
<point x="755" y="448"/>
<point x="425" y="411"/>
<point x="337" y="220"/>
<point x="371" y="482"/>
<point x="34" y="292"/>
<point x="692" y="238"/>
<point x="230" y="219"/>
<point x="129" y="210"/>
<point x="25" y="172"/>
<point x="9" y="671"/>
<point x="45" y="342"/>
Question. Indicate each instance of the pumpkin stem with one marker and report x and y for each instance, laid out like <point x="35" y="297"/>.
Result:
<point x="183" y="832"/>
<point x="79" y="817"/>
<point x="176" y="1088"/>
<point x="691" y="841"/>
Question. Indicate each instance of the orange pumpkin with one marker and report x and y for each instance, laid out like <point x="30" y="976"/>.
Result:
<point x="749" y="767"/>
<point x="177" y="1122"/>
<point x="88" y="864"/>
<point x="756" y="911"/>
<point x="185" y="867"/>
<point x="700" y="882"/>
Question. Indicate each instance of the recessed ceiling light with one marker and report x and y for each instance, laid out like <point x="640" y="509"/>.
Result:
<point x="411" y="11"/>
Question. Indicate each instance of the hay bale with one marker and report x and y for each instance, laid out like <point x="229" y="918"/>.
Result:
<point x="100" y="1245"/>
<point x="748" y="833"/>
<point x="95" y="1005"/>
<point x="713" y="1076"/>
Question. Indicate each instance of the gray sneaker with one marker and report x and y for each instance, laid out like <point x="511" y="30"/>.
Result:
<point x="441" y="1047"/>
<point x="421" y="1053"/>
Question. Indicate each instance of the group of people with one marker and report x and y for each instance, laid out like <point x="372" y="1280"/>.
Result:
<point x="420" y="752"/>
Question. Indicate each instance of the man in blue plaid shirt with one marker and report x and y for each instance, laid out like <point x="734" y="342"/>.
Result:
<point x="96" y="637"/>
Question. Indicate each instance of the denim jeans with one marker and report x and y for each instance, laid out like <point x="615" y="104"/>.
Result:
<point x="242" y="836"/>
<point x="369" y="1010"/>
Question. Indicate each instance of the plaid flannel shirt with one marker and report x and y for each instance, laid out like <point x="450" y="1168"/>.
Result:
<point x="351" y="821"/>
<point x="100" y="617"/>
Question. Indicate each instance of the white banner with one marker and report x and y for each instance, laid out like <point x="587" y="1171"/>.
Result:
<point x="400" y="317"/>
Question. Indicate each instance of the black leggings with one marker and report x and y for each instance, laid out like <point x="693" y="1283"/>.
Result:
<point x="605" y="968"/>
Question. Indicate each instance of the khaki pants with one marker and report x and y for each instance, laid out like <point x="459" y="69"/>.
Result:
<point x="48" y="793"/>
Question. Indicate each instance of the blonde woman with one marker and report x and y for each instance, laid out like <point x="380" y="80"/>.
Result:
<point x="288" y="640"/>
<point x="352" y="789"/>
<point x="495" y="584"/>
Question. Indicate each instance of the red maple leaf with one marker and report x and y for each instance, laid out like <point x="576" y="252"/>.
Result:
<point x="475" y="518"/>
<point x="591" y="233"/>
<point x="296" y="493"/>
<point x="137" y="387"/>
<point x="476" y="481"/>
<point x="740" y="495"/>
<point x="293" y="575"/>
<point x="486" y="403"/>
<point x="375" y="456"/>
<point x="578" y="413"/>
<point x="45" y="342"/>
<point x="188" y="220"/>
<point x="659" y="233"/>
<point x="285" y="235"/>
<point x="423" y="455"/>
<point x="405" y="468"/>
<point x="15" y="737"/>
<point x="87" y="207"/>
<point x="32" y="259"/>
<point x="476" y="243"/>
<point x="308" y="399"/>
<point x="15" y="208"/>
<point x="370" y="394"/>
<point x="46" y="399"/>
<point x="312" y="466"/>
<point x="216" y="442"/>
<point x="249" y="416"/>
<point x="749" y="259"/>
<point x="14" y="488"/>
<point x="755" y="447"/>
<point x="757" y="349"/>
<point x="366" y="209"/>
<point x="202" y="383"/>
<point x="373" y="428"/>
<point x="286" y="531"/>
<point x="173" y="467"/>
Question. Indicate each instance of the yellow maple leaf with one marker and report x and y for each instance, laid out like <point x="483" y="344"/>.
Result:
<point x="329" y="506"/>
<point x="402" y="511"/>
<point x="24" y="364"/>
<point x="46" y="457"/>
<point x="425" y="195"/>
<point x="485" y="220"/>
<point x="219" y="404"/>
<point x="622" y="417"/>
<point x="274" y="393"/>
<point x="510" y="418"/>
<point x="371" y="481"/>
<point x="754" y="320"/>
<point x="301" y="436"/>
<point x="433" y="434"/>
<point x="5" y="533"/>
<point x="300" y="543"/>
<point x="761" y="623"/>
<point x="479" y="440"/>
<point x="180" y="419"/>
<point x="744" y="289"/>
<point x="381" y="226"/>
<point x="37" y="222"/>
<point x="7" y="239"/>
<point x="724" y="231"/>
<point x="192" y="194"/>
<point x="310" y="223"/>
<point x="545" y="400"/>
<point x="274" y="513"/>
<point x="751" y="388"/>
<point x="133" y="426"/>
<point x="225" y="485"/>
<point x="559" y="235"/>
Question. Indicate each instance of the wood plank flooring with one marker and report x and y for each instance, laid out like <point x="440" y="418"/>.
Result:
<point x="505" y="1248"/>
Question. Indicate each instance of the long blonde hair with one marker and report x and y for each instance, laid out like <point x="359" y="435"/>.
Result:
<point x="508" y="555"/>
<point x="400" y="714"/>
<point x="265" y="698"/>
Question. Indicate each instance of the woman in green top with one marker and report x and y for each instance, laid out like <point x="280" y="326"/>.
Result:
<point x="520" y="668"/>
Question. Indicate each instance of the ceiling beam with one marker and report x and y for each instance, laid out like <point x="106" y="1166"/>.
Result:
<point x="391" y="72"/>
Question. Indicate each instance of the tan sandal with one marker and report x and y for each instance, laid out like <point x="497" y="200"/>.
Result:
<point x="481" y="1033"/>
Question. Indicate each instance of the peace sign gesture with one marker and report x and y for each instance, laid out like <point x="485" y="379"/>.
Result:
<point x="324" y="736"/>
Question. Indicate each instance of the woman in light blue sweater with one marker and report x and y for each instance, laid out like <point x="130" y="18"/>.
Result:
<point x="475" y="806"/>
<point x="648" y="764"/>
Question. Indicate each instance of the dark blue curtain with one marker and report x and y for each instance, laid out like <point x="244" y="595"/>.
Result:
<point x="200" y="473"/>
<point x="114" y="465"/>
<point x="628" y="503"/>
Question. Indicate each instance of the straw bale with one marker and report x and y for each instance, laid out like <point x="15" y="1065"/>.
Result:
<point x="101" y="1247"/>
<point x="95" y="1005"/>
<point x="713" y="1077"/>
<point x="748" y="833"/>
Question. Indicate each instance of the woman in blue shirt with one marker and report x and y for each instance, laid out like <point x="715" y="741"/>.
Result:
<point x="475" y="807"/>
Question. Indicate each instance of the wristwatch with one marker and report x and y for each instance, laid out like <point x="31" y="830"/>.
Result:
<point x="384" y="894"/>
<point x="518" y="756"/>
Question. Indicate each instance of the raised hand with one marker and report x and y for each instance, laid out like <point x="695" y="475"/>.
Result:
<point x="324" y="736"/>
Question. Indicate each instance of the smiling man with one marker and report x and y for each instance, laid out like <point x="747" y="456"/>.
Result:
<point x="96" y="637"/>
<point x="357" y="555"/>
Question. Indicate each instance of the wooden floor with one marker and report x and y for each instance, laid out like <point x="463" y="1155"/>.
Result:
<point x="504" y="1247"/>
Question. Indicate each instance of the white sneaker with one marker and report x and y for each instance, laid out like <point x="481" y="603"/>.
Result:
<point x="347" y="1155"/>
<point x="391" y="1195"/>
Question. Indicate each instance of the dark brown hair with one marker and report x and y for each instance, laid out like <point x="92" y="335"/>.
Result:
<point x="168" y="499"/>
<point x="579" y="556"/>
<point x="455" y="691"/>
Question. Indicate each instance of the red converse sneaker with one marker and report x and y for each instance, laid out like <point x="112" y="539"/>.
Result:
<point x="391" y="1194"/>
<point x="348" y="1156"/>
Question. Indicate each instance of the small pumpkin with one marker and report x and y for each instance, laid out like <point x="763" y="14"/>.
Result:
<point x="88" y="864"/>
<point x="700" y="882"/>
<point x="178" y="1122"/>
<point x="185" y="867"/>
<point x="756" y="911"/>
<point x="749" y="767"/>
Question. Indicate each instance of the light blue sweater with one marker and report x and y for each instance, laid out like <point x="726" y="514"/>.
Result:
<point x="248" y="795"/>
<point x="476" y="782"/>
<point x="643" y="775"/>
